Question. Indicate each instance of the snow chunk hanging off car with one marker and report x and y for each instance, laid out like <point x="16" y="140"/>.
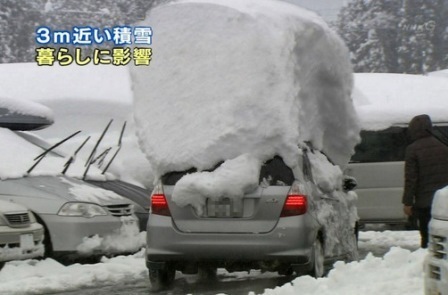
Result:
<point x="229" y="78"/>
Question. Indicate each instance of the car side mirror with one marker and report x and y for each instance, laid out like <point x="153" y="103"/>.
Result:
<point x="349" y="183"/>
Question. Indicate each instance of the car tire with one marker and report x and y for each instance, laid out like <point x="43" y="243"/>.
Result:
<point x="161" y="278"/>
<point x="318" y="269"/>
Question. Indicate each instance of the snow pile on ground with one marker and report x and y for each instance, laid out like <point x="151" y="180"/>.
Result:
<point x="47" y="276"/>
<point x="83" y="98"/>
<point x="235" y="77"/>
<point x="382" y="100"/>
<point x="127" y="238"/>
<point x="441" y="73"/>
<point x="24" y="107"/>
<point x="399" y="272"/>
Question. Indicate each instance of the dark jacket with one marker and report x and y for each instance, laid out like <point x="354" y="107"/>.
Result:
<point x="426" y="164"/>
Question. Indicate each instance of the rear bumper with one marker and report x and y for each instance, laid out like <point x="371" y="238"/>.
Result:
<point x="289" y="243"/>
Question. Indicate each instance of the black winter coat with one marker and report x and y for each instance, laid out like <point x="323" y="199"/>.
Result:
<point x="426" y="164"/>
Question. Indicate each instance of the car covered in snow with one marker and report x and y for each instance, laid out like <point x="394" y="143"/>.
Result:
<point x="297" y="220"/>
<point x="80" y="220"/>
<point x="436" y="262"/>
<point x="21" y="237"/>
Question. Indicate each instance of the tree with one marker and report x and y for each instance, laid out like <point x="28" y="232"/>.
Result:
<point x="408" y="36"/>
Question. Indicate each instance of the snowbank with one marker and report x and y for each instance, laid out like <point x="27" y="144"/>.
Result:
<point x="382" y="100"/>
<point x="235" y="77"/>
<point x="399" y="272"/>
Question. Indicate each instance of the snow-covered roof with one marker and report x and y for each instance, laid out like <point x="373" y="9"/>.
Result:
<point x="43" y="83"/>
<point x="441" y="73"/>
<point x="383" y="100"/>
<point x="235" y="77"/>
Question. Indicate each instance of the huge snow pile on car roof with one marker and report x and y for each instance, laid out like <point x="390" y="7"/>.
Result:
<point x="234" y="77"/>
<point x="242" y="80"/>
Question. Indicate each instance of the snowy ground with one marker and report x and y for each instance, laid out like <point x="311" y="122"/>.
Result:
<point x="400" y="271"/>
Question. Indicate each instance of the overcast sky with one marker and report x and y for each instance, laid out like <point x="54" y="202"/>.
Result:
<point x="328" y="9"/>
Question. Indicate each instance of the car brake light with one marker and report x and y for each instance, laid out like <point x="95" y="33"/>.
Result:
<point x="159" y="204"/>
<point x="295" y="204"/>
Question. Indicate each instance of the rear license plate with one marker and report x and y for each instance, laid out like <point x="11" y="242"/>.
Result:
<point x="27" y="242"/>
<point x="223" y="208"/>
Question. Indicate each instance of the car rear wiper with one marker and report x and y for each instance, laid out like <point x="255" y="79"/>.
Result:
<point x="72" y="158"/>
<point x="118" y="149"/>
<point x="41" y="156"/>
<point x="92" y="154"/>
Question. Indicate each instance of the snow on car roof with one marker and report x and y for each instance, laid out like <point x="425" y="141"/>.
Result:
<point x="240" y="81"/>
<point x="16" y="110"/>
<point x="231" y="84"/>
<point x="383" y="100"/>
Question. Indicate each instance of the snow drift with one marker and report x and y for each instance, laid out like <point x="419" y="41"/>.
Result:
<point x="229" y="78"/>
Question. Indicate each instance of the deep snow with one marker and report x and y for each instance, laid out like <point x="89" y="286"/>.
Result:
<point x="399" y="272"/>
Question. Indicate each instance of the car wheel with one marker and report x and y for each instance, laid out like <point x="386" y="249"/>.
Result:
<point x="161" y="278"/>
<point x="318" y="270"/>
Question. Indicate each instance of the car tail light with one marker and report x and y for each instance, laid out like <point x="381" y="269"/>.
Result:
<point x="295" y="203"/>
<point x="159" y="204"/>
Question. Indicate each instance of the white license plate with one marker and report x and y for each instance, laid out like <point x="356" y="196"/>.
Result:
<point x="27" y="242"/>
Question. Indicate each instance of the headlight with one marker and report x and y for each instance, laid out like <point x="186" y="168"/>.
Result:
<point x="82" y="209"/>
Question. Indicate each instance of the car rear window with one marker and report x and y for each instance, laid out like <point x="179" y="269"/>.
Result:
<point x="171" y="178"/>
<point x="275" y="172"/>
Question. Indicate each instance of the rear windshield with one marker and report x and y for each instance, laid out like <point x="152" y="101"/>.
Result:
<point x="275" y="172"/>
<point x="387" y="145"/>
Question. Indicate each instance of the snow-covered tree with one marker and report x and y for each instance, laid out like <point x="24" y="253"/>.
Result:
<point x="408" y="36"/>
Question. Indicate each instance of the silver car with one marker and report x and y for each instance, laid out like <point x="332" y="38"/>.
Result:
<point x="76" y="224"/>
<point x="294" y="221"/>
<point x="20" y="235"/>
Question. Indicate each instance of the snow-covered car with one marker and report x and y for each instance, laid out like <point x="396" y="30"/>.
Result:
<point x="296" y="220"/>
<point x="79" y="219"/>
<point x="21" y="237"/>
<point x="436" y="262"/>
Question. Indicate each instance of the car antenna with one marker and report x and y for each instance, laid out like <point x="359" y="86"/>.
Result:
<point x="118" y="149"/>
<point x="72" y="157"/>
<point x="41" y="156"/>
<point x="92" y="154"/>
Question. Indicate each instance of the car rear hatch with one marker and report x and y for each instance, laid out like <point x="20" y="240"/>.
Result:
<point x="256" y="212"/>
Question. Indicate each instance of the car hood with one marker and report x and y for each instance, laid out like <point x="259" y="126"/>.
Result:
<point x="59" y="189"/>
<point x="8" y="207"/>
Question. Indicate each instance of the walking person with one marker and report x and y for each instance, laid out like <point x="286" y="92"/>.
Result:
<point x="426" y="170"/>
